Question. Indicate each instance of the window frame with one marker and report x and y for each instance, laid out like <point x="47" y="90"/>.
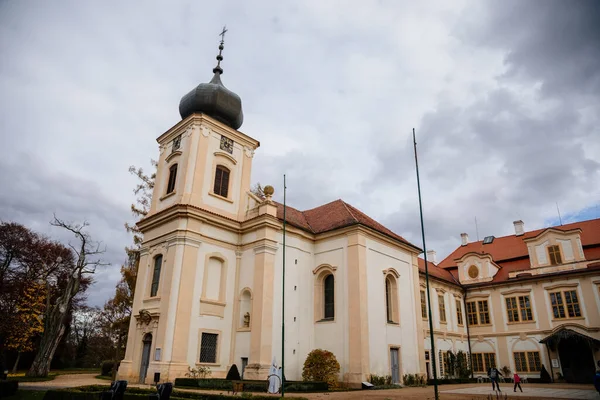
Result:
<point x="155" y="282"/>
<point x="565" y="306"/>
<point x="442" y="308"/>
<point x="459" y="314"/>
<point x="527" y="361"/>
<point x="518" y="308"/>
<point x="554" y="254"/>
<point x="201" y="333"/>
<point x="484" y="360"/>
<point x="172" y="180"/>
<point x="424" y="313"/>
<point x="475" y="312"/>
<point x="218" y="187"/>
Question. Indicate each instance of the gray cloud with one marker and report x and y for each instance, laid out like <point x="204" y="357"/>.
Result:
<point x="503" y="97"/>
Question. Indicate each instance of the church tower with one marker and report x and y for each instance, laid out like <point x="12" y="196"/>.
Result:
<point x="184" y="297"/>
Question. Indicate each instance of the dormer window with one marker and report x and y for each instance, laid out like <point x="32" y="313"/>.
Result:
<point x="221" y="181"/>
<point x="554" y="254"/>
<point x="172" y="178"/>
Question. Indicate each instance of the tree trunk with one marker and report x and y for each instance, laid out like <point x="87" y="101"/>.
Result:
<point x="114" y="371"/>
<point x="14" y="370"/>
<point x="54" y="329"/>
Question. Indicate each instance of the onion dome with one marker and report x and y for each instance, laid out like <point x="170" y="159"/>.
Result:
<point x="213" y="98"/>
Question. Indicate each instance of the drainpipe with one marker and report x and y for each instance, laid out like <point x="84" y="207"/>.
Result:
<point x="466" y="317"/>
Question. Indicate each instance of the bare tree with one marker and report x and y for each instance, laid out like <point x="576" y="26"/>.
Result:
<point x="56" y="313"/>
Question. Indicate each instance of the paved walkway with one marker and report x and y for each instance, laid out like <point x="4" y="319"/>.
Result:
<point x="64" y="381"/>
<point x="543" y="393"/>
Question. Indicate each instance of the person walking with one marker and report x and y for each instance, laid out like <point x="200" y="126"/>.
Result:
<point x="494" y="375"/>
<point x="517" y="380"/>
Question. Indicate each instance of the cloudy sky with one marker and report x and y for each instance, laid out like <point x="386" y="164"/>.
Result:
<point x="504" y="97"/>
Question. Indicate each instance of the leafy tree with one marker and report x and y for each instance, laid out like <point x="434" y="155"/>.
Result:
<point x="321" y="366"/>
<point x="28" y="321"/>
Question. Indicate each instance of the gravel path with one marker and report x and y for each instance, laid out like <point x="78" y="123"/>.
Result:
<point x="64" y="381"/>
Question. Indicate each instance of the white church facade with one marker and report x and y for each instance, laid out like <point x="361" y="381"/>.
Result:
<point x="209" y="285"/>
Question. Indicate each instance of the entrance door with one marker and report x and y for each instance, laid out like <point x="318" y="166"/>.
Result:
<point x="395" y="365"/>
<point x="576" y="360"/>
<point x="244" y="364"/>
<point x="147" y="344"/>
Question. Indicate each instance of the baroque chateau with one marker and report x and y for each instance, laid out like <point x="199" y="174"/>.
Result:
<point x="209" y="284"/>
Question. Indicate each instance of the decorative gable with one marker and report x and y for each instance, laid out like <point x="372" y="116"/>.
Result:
<point x="554" y="247"/>
<point x="475" y="268"/>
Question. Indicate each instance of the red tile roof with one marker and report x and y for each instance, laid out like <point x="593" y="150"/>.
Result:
<point x="512" y="246"/>
<point x="510" y="252"/>
<point x="335" y="215"/>
<point x="437" y="272"/>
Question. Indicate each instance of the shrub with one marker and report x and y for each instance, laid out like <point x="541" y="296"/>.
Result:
<point x="233" y="374"/>
<point x="107" y="366"/>
<point x="413" y="380"/>
<point x="462" y="369"/>
<point x="198" y="373"/>
<point x="321" y="366"/>
<point x="8" y="388"/>
<point x="378" y="380"/>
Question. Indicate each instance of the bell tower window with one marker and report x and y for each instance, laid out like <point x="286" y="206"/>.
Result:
<point x="221" y="181"/>
<point x="172" y="178"/>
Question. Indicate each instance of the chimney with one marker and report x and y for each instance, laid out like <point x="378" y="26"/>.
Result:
<point x="431" y="256"/>
<point x="519" y="227"/>
<point x="464" y="238"/>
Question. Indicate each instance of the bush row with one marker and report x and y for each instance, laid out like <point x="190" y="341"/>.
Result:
<point x="250" y="386"/>
<point x="107" y="366"/>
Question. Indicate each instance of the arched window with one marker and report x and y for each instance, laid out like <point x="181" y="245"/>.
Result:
<point x="329" y="297"/>
<point x="391" y="298"/>
<point x="172" y="178"/>
<point x="156" y="275"/>
<point x="221" y="181"/>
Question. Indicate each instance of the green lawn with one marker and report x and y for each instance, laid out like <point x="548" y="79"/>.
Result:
<point x="27" y="395"/>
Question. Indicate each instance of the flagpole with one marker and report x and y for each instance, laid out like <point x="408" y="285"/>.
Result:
<point x="435" y="384"/>
<point x="283" y="301"/>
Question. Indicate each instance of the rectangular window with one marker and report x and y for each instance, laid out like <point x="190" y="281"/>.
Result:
<point x="172" y="178"/>
<point x="478" y="312"/>
<point x="423" y="305"/>
<point x="484" y="314"/>
<point x="483" y="361"/>
<point x="459" y="315"/>
<point x="472" y="313"/>
<point x="519" y="309"/>
<point x="572" y="304"/>
<point x="527" y="361"/>
<point x="221" y="181"/>
<point x="156" y="275"/>
<point x="442" y="307"/>
<point x="570" y="300"/>
<point x="554" y="253"/>
<point x="208" y="348"/>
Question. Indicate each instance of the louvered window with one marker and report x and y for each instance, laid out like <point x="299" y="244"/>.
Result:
<point x="221" y="181"/>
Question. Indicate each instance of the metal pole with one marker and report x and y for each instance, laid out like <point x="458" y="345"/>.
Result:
<point x="283" y="302"/>
<point x="433" y="355"/>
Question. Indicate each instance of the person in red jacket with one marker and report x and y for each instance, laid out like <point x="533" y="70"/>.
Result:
<point x="517" y="380"/>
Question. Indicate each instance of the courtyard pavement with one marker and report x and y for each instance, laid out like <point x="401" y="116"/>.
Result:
<point x="541" y="392"/>
<point x="448" y="392"/>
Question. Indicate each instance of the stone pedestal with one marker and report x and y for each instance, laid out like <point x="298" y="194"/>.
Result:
<point x="257" y="371"/>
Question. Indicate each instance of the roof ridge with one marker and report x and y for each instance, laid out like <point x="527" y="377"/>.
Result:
<point x="308" y="223"/>
<point x="348" y="209"/>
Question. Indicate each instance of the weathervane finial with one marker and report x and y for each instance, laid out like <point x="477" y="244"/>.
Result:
<point x="220" y="57"/>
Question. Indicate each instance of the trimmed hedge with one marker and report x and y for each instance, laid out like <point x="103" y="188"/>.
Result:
<point x="8" y="388"/>
<point x="250" y="386"/>
<point x="93" y="393"/>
